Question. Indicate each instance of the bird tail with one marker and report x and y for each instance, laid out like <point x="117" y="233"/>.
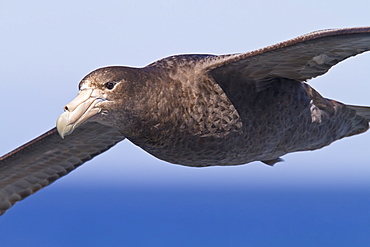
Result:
<point x="363" y="111"/>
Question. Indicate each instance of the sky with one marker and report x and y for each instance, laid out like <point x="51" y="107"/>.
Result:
<point x="126" y="196"/>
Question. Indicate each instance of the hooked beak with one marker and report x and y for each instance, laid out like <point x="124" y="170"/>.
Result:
<point x="77" y="112"/>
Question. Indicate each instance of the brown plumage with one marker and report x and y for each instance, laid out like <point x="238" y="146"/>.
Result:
<point x="198" y="110"/>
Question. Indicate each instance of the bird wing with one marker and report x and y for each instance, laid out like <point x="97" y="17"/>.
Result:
<point x="299" y="59"/>
<point x="45" y="159"/>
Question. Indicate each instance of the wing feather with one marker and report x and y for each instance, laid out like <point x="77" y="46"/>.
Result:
<point x="299" y="59"/>
<point x="45" y="159"/>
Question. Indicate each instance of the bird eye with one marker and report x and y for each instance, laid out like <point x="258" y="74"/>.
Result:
<point x="110" y="85"/>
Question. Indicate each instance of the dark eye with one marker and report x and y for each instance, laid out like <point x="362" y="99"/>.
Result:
<point x="110" y="85"/>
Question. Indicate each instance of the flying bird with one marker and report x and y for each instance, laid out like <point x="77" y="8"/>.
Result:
<point x="198" y="110"/>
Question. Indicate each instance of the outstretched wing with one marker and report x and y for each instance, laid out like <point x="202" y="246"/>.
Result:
<point x="43" y="160"/>
<point x="299" y="59"/>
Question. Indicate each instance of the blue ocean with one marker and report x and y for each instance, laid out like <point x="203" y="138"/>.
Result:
<point x="184" y="216"/>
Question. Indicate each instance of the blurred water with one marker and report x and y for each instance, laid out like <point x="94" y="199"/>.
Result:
<point x="159" y="216"/>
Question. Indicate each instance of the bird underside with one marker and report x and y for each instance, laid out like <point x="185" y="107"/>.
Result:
<point x="287" y="116"/>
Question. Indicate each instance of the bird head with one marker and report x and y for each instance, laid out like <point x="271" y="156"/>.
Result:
<point x="99" y="91"/>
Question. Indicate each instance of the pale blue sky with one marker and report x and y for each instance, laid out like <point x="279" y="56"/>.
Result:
<point x="48" y="46"/>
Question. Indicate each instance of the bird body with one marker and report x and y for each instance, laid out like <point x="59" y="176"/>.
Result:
<point x="208" y="119"/>
<point x="198" y="110"/>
